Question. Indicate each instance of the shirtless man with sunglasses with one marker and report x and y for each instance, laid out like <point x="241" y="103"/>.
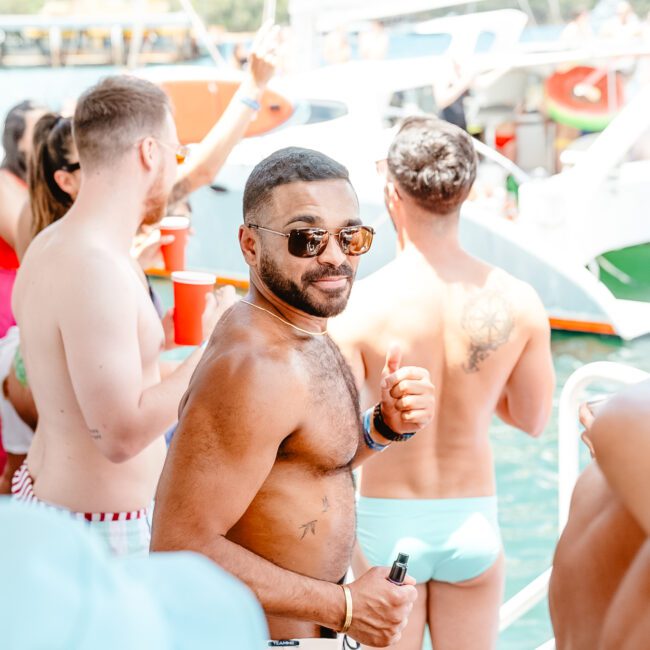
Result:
<point x="259" y="475"/>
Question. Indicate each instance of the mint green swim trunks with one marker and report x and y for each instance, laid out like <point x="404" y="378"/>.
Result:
<point x="448" y="540"/>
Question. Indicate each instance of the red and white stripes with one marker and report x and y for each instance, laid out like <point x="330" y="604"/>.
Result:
<point x="22" y="488"/>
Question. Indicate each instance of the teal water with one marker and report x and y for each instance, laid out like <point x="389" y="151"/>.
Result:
<point x="526" y="468"/>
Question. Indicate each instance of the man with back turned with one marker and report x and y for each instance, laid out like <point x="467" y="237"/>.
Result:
<point x="484" y="338"/>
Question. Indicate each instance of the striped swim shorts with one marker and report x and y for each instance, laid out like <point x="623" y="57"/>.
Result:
<point x="124" y="533"/>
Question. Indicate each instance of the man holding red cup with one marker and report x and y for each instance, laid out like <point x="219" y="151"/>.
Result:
<point x="90" y="334"/>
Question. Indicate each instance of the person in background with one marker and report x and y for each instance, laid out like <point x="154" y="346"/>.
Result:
<point x="451" y="85"/>
<point x="578" y="31"/>
<point x="16" y="143"/>
<point x="53" y="183"/>
<point x="373" y="42"/>
<point x="624" y="25"/>
<point x="484" y="338"/>
<point x="91" y="339"/>
<point x="239" y="55"/>
<point x="17" y="139"/>
<point x="625" y="30"/>
<point x="336" y="46"/>
<point x="209" y="156"/>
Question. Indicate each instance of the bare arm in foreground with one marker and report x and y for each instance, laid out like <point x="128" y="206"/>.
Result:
<point x="620" y="438"/>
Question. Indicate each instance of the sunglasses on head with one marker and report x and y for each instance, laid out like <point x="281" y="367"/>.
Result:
<point x="311" y="242"/>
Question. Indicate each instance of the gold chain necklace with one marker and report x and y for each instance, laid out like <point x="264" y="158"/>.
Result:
<point x="286" y="322"/>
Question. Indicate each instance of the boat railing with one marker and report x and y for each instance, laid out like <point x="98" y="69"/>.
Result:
<point x="568" y="442"/>
<point x="495" y="156"/>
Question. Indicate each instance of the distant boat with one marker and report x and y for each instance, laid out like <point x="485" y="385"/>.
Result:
<point x="98" y="38"/>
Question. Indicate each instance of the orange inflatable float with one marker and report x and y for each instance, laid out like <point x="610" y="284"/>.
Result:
<point x="200" y="101"/>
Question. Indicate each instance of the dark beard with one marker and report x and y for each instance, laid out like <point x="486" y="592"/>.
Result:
<point x="297" y="296"/>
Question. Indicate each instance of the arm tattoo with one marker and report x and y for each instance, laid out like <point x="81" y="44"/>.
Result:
<point x="95" y="435"/>
<point x="488" y="320"/>
<point x="326" y="504"/>
<point x="180" y="190"/>
<point x="309" y="527"/>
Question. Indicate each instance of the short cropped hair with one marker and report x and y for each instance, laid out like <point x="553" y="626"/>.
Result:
<point x="112" y="115"/>
<point x="434" y="162"/>
<point x="289" y="165"/>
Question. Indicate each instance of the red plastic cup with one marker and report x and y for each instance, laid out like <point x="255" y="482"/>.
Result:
<point x="190" y="289"/>
<point x="174" y="253"/>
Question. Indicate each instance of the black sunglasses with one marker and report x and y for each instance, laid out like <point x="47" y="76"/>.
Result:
<point x="70" y="167"/>
<point x="311" y="242"/>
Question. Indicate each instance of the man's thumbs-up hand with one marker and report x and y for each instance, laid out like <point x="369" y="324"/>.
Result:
<point x="407" y="394"/>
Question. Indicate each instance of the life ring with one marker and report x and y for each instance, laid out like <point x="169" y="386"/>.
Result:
<point x="580" y="98"/>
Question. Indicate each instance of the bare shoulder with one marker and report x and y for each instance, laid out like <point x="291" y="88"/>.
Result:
<point x="248" y="370"/>
<point x="66" y="250"/>
<point x="238" y="368"/>
<point x="76" y="275"/>
<point x="524" y="303"/>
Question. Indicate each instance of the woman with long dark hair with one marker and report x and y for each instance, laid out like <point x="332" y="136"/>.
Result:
<point x="16" y="142"/>
<point x="53" y="179"/>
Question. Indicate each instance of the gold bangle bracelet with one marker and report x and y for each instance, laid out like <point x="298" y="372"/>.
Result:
<point x="348" y="609"/>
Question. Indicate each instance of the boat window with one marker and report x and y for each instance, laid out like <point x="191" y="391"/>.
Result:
<point x="484" y="42"/>
<point x="426" y="44"/>
<point x="408" y="102"/>
<point x="312" y="111"/>
<point x="321" y="110"/>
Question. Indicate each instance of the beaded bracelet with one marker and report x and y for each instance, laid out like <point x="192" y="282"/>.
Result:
<point x="367" y="438"/>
